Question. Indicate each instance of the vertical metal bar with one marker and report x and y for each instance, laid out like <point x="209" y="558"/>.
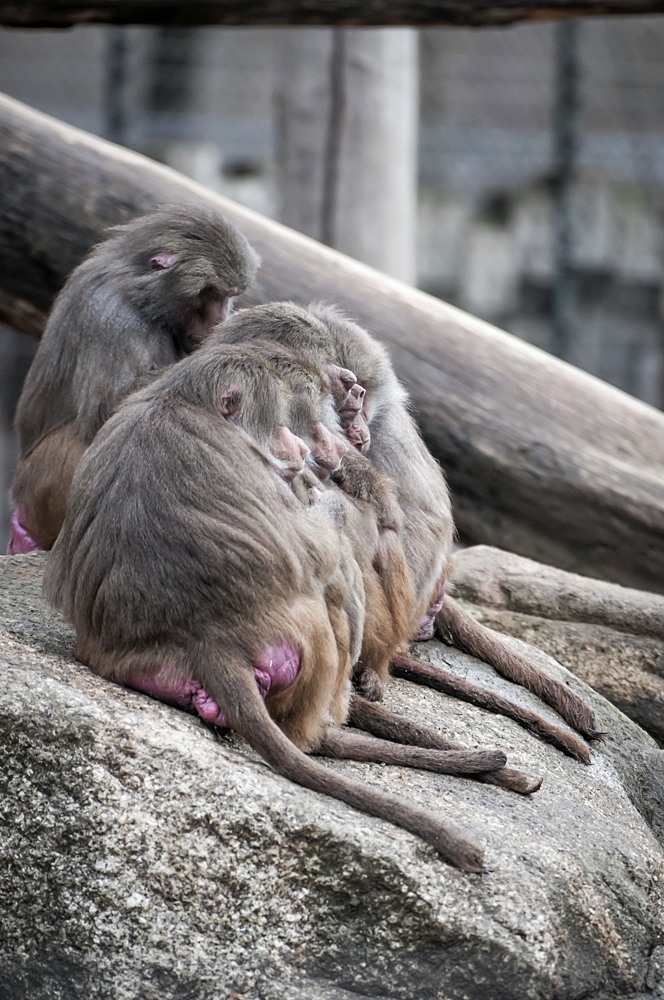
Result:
<point x="115" y="83"/>
<point x="565" y="143"/>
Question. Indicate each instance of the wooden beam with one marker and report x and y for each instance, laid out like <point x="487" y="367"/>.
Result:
<point x="379" y="13"/>
<point x="543" y="459"/>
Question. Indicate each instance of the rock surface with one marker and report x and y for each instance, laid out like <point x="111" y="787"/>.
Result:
<point x="145" y="857"/>
<point x="612" y="637"/>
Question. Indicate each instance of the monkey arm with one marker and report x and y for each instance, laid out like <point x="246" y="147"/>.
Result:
<point x="361" y="480"/>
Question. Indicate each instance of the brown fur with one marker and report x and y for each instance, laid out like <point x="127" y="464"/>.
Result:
<point x="42" y="479"/>
<point x="361" y="501"/>
<point x="396" y="449"/>
<point x="146" y="296"/>
<point x="182" y="548"/>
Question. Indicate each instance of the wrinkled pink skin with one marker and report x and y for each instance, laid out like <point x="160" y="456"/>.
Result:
<point x="277" y="668"/>
<point x="20" y="539"/>
<point x="290" y="450"/>
<point x="426" y="629"/>
<point x="358" y="433"/>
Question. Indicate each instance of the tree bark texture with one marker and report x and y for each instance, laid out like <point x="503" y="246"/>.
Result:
<point x="347" y="128"/>
<point x="381" y="13"/>
<point x="542" y="459"/>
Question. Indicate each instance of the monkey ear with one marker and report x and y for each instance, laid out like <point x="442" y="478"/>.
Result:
<point x="163" y="261"/>
<point x="229" y="404"/>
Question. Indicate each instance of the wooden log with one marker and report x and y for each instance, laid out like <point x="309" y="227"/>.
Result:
<point x="542" y="459"/>
<point x="66" y="13"/>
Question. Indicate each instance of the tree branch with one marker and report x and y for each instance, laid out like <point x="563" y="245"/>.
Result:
<point x="420" y="13"/>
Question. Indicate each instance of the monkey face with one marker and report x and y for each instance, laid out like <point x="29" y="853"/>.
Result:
<point x="347" y="393"/>
<point x="213" y="305"/>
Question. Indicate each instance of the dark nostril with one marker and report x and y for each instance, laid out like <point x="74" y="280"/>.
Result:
<point x="357" y="392"/>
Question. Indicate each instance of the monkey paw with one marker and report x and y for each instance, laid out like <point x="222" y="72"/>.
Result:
<point x="428" y="623"/>
<point x="20" y="539"/>
<point x="368" y="684"/>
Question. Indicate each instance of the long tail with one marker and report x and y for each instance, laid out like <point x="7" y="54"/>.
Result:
<point x="348" y="744"/>
<point x="235" y="689"/>
<point x="456" y="627"/>
<point x="420" y="672"/>
<point x="388" y="725"/>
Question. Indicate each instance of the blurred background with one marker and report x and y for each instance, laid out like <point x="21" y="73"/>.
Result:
<point x="516" y="172"/>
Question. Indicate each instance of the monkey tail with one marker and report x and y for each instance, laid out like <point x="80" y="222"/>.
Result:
<point x="457" y="627"/>
<point x="409" y="668"/>
<point x="236" y="690"/>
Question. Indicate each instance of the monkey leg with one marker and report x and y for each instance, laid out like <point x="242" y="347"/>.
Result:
<point x="411" y="669"/>
<point x="388" y="725"/>
<point x="455" y="625"/>
<point x="344" y="744"/>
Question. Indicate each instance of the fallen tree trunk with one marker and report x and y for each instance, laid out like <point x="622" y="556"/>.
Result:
<point x="67" y="13"/>
<point x="542" y="458"/>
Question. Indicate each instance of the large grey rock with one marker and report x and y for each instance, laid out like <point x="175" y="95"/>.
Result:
<point x="144" y="857"/>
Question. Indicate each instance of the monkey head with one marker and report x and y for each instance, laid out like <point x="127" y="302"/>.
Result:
<point x="184" y="264"/>
<point x="244" y="387"/>
<point x="350" y="346"/>
<point x="302" y="349"/>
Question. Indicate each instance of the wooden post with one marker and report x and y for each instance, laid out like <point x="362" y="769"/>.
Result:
<point x="347" y="133"/>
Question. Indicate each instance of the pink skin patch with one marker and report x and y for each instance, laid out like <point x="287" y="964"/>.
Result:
<point x="277" y="668"/>
<point x="426" y="629"/>
<point x="20" y="540"/>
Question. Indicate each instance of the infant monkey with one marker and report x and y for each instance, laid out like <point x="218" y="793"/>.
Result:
<point x="186" y="563"/>
<point x="147" y="295"/>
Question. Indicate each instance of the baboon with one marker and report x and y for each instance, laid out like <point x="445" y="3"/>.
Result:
<point x="147" y="295"/>
<point x="362" y="505"/>
<point x="187" y="564"/>
<point x="388" y="436"/>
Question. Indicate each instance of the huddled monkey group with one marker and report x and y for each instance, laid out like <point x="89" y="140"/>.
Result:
<point x="245" y="522"/>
